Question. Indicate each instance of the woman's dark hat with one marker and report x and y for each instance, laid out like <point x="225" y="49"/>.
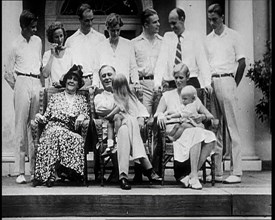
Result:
<point x="75" y="70"/>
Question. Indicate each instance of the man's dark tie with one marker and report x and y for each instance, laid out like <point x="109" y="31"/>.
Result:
<point x="178" y="52"/>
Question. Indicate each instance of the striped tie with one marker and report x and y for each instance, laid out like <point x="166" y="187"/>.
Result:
<point x="178" y="52"/>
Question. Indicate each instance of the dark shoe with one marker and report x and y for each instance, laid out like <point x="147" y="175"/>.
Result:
<point x="50" y="181"/>
<point x="124" y="184"/>
<point x="36" y="182"/>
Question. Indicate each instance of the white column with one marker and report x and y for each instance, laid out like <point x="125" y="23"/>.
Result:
<point x="241" y="20"/>
<point x="10" y="30"/>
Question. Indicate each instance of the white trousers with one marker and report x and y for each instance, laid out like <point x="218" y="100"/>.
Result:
<point x="225" y="106"/>
<point x="26" y="105"/>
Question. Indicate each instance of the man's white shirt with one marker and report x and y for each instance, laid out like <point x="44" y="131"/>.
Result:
<point x="193" y="55"/>
<point x="83" y="47"/>
<point x="122" y="59"/>
<point x="224" y="51"/>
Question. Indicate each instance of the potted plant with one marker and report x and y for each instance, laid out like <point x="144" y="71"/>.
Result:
<point x="260" y="72"/>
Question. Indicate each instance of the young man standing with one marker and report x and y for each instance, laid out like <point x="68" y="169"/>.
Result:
<point x="22" y="72"/>
<point x="227" y="62"/>
<point x="147" y="47"/>
<point x="84" y="41"/>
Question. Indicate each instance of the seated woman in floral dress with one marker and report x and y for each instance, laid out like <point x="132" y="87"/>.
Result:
<point x="59" y="145"/>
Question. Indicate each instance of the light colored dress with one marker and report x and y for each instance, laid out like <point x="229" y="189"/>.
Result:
<point x="60" y="66"/>
<point x="59" y="142"/>
<point x="190" y="136"/>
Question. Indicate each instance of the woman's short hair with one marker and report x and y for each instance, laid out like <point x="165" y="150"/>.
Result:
<point x="82" y="8"/>
<point x="26" y="18"/>
<point x="216" y="8"/>
<point x="52" y="28"/>
<point x="183" y="68"/>
<point x="76" y="70"/>
<point x="188" y="90"/>
<point x="146" y="14"/>
<point x="113" y="20"/>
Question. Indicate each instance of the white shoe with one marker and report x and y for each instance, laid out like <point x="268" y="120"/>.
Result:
<point x="185" y="181"/>
<point x="195" y="183"/>
<point x="21" y="179"/>
<point x="232" y="179"/>
<point x="32" y="178"/>
<point x="218" y="179"/>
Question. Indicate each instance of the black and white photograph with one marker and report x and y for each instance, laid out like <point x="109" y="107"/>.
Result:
<point x="136" y="109"/>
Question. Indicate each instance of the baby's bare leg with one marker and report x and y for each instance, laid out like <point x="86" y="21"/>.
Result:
<point x="180" y="130"/>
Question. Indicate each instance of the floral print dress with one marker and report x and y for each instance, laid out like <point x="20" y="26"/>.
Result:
<point x="59" y="141"/>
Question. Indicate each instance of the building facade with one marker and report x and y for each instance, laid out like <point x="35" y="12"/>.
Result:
<point x="252" y="19"/>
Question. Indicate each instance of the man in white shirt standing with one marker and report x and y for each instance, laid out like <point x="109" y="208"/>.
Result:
<point x="83" y="44"/>
<point x="227" y="63"/>
<point x="147" y="46"/>
<point x="117" y="51"/>
<point x="191" y="51"/>
<point x="84" y="41"/>
<point x="23" y="75"/>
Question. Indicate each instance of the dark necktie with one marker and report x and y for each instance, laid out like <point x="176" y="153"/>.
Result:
<point x="178" y="52"/>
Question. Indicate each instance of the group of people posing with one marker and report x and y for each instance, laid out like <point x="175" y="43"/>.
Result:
<point x="176" y="65"/>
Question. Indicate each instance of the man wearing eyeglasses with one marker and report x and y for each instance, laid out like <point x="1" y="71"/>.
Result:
<point x="84" y="41"/>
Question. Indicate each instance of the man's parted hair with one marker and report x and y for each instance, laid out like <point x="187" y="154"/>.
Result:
<point x="146" y="14"/>
<point x="113" y="20"/>
<point x="216" y="8"/>
<point x="82" y="8"/>
<point x="104" y="66"/>
<point x="26" y="18"/>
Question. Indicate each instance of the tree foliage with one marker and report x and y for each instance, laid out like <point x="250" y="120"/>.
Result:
<point x="261" y="73"/>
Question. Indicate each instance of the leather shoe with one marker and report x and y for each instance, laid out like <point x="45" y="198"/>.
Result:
<point x="50" y="181"/>
<point x="232" y="179"/>
<point x="36" y="182"/>
<point x="124" y="184"/>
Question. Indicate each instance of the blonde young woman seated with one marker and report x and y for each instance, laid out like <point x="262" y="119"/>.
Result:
<point x="187" y="113"/>
<point x="195" y="144"/>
